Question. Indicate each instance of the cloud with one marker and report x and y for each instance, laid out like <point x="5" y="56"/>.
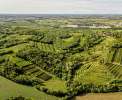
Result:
<point x="60" y="6"/>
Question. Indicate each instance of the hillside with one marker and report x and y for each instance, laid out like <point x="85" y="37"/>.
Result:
<point x="10" y="89"/>
<point x="59" y="62"/>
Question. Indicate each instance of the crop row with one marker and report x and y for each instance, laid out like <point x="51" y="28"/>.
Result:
<point x="115" y="69"/>
<point x="48" y="47"/>
<point x="34" y="71"/>
<point x="115" y="56"/>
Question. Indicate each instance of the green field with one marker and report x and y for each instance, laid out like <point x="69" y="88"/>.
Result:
<point x="9" y="89"/>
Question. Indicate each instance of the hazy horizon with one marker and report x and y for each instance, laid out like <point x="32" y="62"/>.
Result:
<point x="61" y="7"/>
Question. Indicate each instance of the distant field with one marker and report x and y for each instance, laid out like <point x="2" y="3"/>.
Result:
<point x="100" y="96"/>
<point x="9" y="88"/>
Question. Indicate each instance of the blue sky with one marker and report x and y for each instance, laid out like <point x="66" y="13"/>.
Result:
<point x="62" y="6"/>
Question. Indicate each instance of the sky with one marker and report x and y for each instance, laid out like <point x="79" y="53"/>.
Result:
<point x="61" y="6"/>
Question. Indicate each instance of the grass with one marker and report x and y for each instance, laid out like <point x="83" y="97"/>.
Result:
<point x="18" y="61"/>
<point x="9" y="88"/>
<point x="17" y="36"/>
<point x="95" y="74"/>
<point x="100" y="96"/>
<point x="56" y="85"/>
<point x="16" y="48"/>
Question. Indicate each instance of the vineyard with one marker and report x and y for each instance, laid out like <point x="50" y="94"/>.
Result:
<point x="58" y="61"/>
<point x="34" y="71"/>
<point x="114" y="61"/>
<point x="116" y="70"/>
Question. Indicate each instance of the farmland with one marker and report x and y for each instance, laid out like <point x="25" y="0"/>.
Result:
<point x="107" y="96"/>
<point x="54" y="62"/>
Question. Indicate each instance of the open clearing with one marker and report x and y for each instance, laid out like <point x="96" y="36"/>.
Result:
<point x="100" y="96"/>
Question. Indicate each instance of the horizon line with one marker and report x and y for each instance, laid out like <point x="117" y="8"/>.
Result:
<point x="60" y="14"/>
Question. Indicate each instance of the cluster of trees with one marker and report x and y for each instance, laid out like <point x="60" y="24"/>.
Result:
<point x="51" y="91"/>
<point x="54" y="36"/>
<point x="16" y="74"/>
<point x="5" y="29"/>
<point x="10" y="70"/>
<point x="75" y="88"/>
<point x="91" y="40"/>
<point x="19" y="98"/>
<point x="51" y="62"/>
<point x="5" y="52"/>
<point x="114" y="32"/>
<point x="116" y="82"/>
<point x="72" y="68"/>
<point x="71" y="45"/>
<point x="54" y="63"/>
<point x="117" y="45"/>
<point x="27" y="80"/>
<point x="64" y="36"/>
<point x="10" y="42"/>
<point x="35" y="38"/>
<point x="49" y="39"/>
